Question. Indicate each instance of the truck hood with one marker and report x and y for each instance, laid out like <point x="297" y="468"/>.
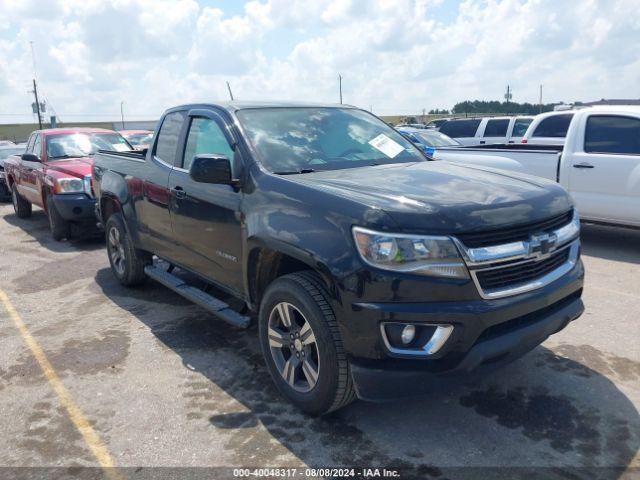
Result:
<point x="76" y="167"/>
<point x="445" y="198"/>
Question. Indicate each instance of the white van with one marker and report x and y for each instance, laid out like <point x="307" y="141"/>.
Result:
<point x="487" y="130"/>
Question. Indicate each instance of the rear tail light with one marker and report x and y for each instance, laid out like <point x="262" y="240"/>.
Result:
<point x="524" y="140"/>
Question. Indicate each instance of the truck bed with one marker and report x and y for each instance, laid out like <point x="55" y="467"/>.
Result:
<point x="540" y="160"/>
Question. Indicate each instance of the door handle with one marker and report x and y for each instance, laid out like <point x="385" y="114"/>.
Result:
<point x="583" y="165"/>
<point x="482" y="142"/>
<point x="179" y="192"/>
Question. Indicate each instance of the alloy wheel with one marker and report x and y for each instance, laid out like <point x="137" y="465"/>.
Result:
<point x="293" y="347"/>
<point x="116" y="250"/>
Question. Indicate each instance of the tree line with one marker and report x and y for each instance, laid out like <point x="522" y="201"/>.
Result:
<point x="494" y="106"/>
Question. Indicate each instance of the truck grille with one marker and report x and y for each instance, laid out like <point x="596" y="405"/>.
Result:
<point x="514" y="234"/>
<point x="523" y="272"/>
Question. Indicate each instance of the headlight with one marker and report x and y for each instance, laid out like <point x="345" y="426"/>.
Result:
<point x="69" y="185"/>
<point x="422" y="255"/>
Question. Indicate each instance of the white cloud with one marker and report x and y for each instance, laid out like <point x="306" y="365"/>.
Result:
<point x="397" y="56"/>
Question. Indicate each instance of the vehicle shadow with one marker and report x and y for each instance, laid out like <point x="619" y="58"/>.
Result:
<point x="37" y="226"/>
<point x="545" y="414"/>
<point x="611" y="243"/>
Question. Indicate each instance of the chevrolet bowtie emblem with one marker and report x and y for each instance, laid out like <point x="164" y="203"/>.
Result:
<point x="542" y="244"/>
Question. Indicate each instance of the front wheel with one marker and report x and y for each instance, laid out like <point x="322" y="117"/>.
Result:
<point x="59" y="226"/>
<point x="127" y="263"/>
<point x="20" y="205"/>
<point x="302" y="346"/>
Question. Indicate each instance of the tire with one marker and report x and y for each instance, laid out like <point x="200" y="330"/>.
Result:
<point x="20" y="205"/>
<point x="59" y="227"/>
<point x="127" y="262"/>
<point x="303" y="298"/>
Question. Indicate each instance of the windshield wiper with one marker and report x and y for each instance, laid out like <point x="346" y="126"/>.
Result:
<point x="296" y="172"/>
<point x="59" y="157"/>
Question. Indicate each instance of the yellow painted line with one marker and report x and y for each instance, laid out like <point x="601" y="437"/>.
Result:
<point x="91" y="438"/>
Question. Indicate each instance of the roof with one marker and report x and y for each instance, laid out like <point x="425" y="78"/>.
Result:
<point x="235" y="106"/>
<point x="134" y="132"/>
<point x="67" y="130"/>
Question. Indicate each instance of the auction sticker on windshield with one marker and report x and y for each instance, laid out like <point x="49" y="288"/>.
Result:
<point x="386" y="145"/>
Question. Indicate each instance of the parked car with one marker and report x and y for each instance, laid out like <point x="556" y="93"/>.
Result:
<point x="372" y="272"/>
<point x="599" y="164"/>
<point x="486" y="130"/>
<point x="437" y="123"/>
<point x="5" y="152"/>
<point x="549" y="128"/>
<point x="428" y="140"/>
<point x="6" y="143"/>
<point x="420" y="126"/>
<point x="139" y="139"/>
<point x="54" y="173"/>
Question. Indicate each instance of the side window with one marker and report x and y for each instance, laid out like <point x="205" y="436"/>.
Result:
<point x="520" y="126"/>
<point x="555" y="126"/>
<point x="205" y="136"/>
<point x="612" y="134"/>
<point x="496" y="128"/>
<point x="460" y="128"/>
<point x="168" y="137"/>
<point x="37" y="146"/>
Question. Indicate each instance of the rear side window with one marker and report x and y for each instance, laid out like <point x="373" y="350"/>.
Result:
<point x="205" y="136"/>
<point x="496" y="128"/>
<point x="555" y="126"/>
<point x="520" y="126"/>
<point x="37" y="146"/>
<point x="168" y="137"/>
<point x="612" y="134"/>
<point x="29" y="148"/>
<point x="460" y="128"/>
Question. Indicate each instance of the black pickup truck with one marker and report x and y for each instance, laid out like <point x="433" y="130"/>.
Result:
<point x="372" y="272"/>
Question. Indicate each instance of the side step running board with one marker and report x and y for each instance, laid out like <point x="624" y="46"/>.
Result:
<point x="197" y="296"/>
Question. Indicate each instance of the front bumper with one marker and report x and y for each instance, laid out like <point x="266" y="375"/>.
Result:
<point x="75" y="207"/>
<point x="487" y="333"/>
<point x="388" y="380"/>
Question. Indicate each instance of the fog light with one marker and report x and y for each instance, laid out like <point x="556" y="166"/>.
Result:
<point x="408" y="334"/>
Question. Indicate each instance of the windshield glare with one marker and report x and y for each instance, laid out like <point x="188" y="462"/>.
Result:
<point x="437" y="139"/>
<point x="84" y="144"/>
<point x="296" y="139"/>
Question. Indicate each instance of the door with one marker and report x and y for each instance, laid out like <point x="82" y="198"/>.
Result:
<point x="604" y="177"/>
<point x="495" y="131"/>
<point x="206" y="217"/>
<point x="29" y="173"/>
<point x="152" y="208"/>
<point x="520" y="126"/>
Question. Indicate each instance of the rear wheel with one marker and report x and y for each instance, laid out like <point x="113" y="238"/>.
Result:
<point x="20" y="205"/>
<point x="127" y="263"/>
<point x="59" y="226"/>
<point x="302" y="346"/>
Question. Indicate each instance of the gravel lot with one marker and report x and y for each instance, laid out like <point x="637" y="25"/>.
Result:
<point x="162" y="383"/>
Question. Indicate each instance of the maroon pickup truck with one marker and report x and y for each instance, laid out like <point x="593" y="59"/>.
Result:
<point x="54" y="173"/>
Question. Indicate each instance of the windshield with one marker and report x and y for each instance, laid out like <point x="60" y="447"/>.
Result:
<point x="83" y="144"/>
<point x="7" y="152"/>
<point x="436" y="139"/>
<point x="292" y="140"/>
<point x="139" y="139"/>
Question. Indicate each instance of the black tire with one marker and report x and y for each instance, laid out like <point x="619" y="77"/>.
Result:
<point x="333" y="388"/>
<point x="20" y="205"/>
<point x="59" y="227"/>
<point x="127" y="264"/>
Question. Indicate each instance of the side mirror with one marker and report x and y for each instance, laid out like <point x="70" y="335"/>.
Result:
<point x="30" y="157"/>
<point x="211" y="168"/>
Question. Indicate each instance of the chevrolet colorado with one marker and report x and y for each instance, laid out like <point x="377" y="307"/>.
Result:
<point x="372" y="272"/>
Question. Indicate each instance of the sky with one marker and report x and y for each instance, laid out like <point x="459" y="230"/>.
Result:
<point x="395" y="56"/>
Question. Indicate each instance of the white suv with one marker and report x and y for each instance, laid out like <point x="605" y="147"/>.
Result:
<point x="487" y="130"/>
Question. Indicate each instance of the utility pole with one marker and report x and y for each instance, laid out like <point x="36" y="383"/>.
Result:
<point x="540" y="98"/>
<point x="35" y="92"/>
<point x="508" y="95"/>
<point x="230" y="94"/>
<point x="122" y="114"/>
<point x="340" y="86"/>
